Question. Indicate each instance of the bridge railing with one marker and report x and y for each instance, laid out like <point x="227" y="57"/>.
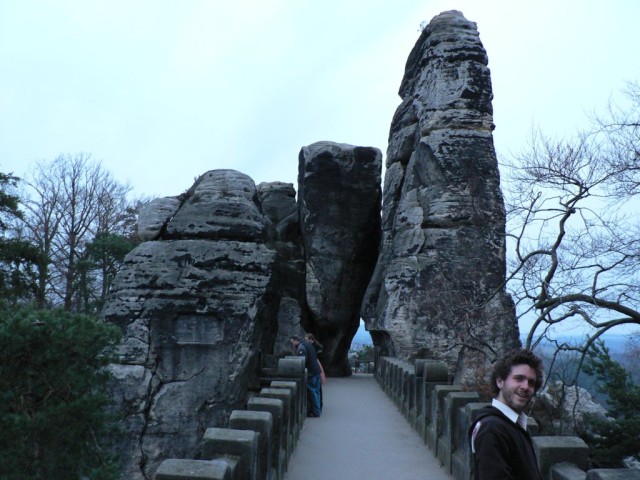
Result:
<point x="259" y="440"/>
<point x="442" y="414"/>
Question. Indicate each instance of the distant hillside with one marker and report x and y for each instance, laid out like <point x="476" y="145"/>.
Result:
<point x="615" y="343"/>
<point x="362" y="337"/>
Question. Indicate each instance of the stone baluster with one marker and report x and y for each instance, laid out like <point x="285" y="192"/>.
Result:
<point x="240" y="445"/>
<point x="261" y="422"/>
<point x="183" y="469"/>
<point x="429" y="373"/>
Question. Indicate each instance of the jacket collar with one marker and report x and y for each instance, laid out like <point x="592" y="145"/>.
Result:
<point x="520" y="419"/>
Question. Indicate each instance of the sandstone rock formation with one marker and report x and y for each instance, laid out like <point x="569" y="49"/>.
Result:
<point x="195" y="311"/>
<point x="572" y="404"/>
<point x="228" y="270"/>
<point x="339" y="203"/>
<point x="278" y="203"/>
<point x="227" y="273"/>
<point x="437" y="290"/>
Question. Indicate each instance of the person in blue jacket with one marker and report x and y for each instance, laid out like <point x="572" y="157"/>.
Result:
<point x="501" y="446"/>
<point x="308" y="351"/>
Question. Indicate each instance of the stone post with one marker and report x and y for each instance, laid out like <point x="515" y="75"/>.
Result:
<point x="276" y="408"/>
<point x="261" y="422"/>
<point x="239" y="444"/>
<point x="552" y="450"/>
<point x="287" y="415"/>
<point x="292" y="386"/>
<point x="461" y="460"/>
<point x="408" y="391"/>
<point x="178" y="469"/>
<point x="566" y="471"/>
<point x="429" y="373"/>
<point x="292" y="369"/>
<point x="437" y="417"/>
<point x="448" y="441"/>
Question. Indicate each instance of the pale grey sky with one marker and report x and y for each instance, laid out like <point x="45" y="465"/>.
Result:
<point x="162" y="91"/>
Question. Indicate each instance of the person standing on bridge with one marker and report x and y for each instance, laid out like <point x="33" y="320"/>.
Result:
<point x="309" y="337"/>
<point x="500" y="442"/>
<point x="308" y="351"/>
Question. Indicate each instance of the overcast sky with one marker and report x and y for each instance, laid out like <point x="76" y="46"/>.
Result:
<point x="163" y="91"/>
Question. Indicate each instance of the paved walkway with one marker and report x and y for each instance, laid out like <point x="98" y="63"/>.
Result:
<point x="361" y="435"/>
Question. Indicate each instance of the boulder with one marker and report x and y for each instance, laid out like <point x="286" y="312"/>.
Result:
<point x="339" y="196"/>
<point x="574" y="404"/>
<point x="153" y="217"/>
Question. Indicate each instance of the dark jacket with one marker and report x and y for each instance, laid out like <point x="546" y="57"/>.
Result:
<point x="503" y="449"/>
<point x="311" y="359"/>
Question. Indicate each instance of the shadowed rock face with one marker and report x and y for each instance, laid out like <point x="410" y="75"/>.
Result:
<point x="339" y="205"/>
<point x="195" y="309"/>
<point x="443" y="221"/>
<point x="278" y="203"/>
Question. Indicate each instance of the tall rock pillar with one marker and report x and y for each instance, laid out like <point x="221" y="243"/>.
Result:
<point x="339" y="196"/>
<point x="437" y="291"/>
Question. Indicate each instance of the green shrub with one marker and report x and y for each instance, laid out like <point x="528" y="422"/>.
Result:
<point x="613" y="439"/>
<point x="53" y="380"/>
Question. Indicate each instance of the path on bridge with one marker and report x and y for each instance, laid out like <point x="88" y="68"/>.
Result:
<point x="361" y="435"/>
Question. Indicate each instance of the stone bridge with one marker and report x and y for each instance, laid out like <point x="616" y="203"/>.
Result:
<point x="405" y="421"/>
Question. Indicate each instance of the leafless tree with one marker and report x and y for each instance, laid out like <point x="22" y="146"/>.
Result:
<point x="573" y="231"/>
<point x="68" y="202"/>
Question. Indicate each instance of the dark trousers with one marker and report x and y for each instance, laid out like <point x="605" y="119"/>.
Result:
<point x="313" y="394"/>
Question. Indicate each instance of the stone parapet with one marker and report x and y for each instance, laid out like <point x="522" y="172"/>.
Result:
<point x="259" y="440"/>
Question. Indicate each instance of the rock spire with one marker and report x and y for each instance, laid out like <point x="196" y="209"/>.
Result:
<point x="437" y="291"/>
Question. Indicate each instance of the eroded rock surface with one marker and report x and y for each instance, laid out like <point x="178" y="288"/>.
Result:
<point x="437" y="289"/>
<point x="195" y="309"/>
<point x="339" y="203"/>
<point x="229" y="272"/>
<point x="278" y="203"/>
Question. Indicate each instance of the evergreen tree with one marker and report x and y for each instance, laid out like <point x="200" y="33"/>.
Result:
<point x="53" y="380"/>
<point x="18" y="257"/>
<point x="616" y="437"/>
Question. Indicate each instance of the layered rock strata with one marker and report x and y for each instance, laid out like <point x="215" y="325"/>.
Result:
<point x="278" y="203"/>
<point x="228" y="272"/>
<point x="339" y="195"/>
<point x="437" y="291"/>
<point x="194" y="305"/>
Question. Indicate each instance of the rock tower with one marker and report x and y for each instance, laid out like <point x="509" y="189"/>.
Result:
<point x="437" y="291"/>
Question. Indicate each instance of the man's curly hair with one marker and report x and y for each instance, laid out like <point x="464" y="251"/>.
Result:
<point x="520" y="356"/>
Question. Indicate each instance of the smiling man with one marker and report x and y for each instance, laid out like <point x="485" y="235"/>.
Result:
<point x="499" y="439"/>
